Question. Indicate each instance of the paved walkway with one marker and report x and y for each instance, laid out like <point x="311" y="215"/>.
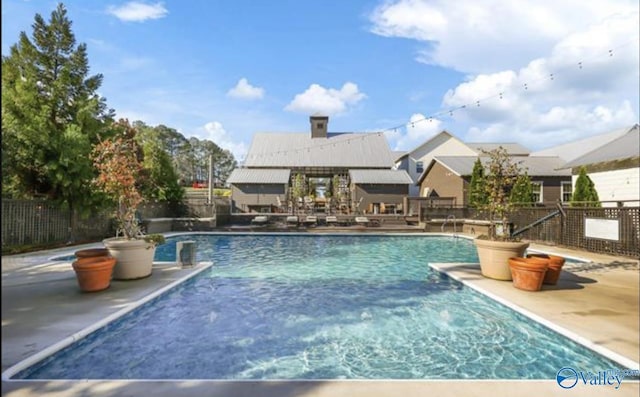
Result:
<point x="42" y="305"/>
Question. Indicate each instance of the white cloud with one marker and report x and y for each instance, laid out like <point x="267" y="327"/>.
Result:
<point x="244" y="90"/>
<point x="135" y="11"/>
<point x="561" y="99"/>
<point x="329" y="101"/>
<point x="417" y="130"/>
<point x="215" y="132"/>
<point x="476" y="36"/>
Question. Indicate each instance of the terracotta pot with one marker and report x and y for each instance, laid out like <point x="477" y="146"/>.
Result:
<point x="94" y="273"/>
<point x="91" y="252"/>
<point x="555" y="267"/>
<point x="528" y="273"/>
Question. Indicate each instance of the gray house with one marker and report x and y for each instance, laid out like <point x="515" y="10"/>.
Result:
<point x="318" y="171"/>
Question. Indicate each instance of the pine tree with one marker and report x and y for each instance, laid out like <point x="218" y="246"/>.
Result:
<point x="51" y="115"/>
<point x="477" y="189"/>
<point x="522" y="191"/>
<point x="585" y="193"/>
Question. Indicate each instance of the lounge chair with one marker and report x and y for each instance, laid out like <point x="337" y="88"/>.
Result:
<point x="292" y="220"/>
<point x="362" y="220"/>
<point x="311" y="220"/>
<point x="260" y="220"/>
<point x="331" y="220"/>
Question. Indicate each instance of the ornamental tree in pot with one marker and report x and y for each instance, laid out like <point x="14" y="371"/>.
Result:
<point x="495" y="249"/>
<point x="117" y="160"/>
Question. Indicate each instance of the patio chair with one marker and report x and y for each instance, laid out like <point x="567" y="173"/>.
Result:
<point x="311" y="220"/>
<point x="260" y="220"/>
<point x="331" y="220"/>
<point x="292" y="221"/>
<point x="362" y="220"/>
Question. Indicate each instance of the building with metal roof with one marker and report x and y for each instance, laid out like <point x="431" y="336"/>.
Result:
<point x="315" y="171"/>
<point x="613" y="166"/>
<point x="513" y="149"/>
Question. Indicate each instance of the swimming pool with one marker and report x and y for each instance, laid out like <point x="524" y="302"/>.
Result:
<point x="320" y="307"/>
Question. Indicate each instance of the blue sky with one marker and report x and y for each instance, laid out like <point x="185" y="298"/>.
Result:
<point x="537" y="72"/>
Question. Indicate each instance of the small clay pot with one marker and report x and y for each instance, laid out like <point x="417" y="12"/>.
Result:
<point x="94" y="273"/>
<point x="555" y="267"/>
<point x="528" y="273"/>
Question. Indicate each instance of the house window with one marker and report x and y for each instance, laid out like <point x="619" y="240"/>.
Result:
<point x="566" y="190"/>
<point x="320" y="125"/>
<point x="419" y="167"/>
<point x="537" y="191"/>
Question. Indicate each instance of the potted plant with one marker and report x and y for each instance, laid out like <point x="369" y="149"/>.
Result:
<point x="495" y="249"/>
<point x="528" y="273"/>
<point x="555" y="267"/>
<point x="118" y="165"/>
<point x="94" y="272"/>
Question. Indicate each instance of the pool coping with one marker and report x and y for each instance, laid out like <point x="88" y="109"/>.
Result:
<point x="152" y="295"/>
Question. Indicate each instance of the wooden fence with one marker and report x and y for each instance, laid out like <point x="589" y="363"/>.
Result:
<point x="39" y="222"/>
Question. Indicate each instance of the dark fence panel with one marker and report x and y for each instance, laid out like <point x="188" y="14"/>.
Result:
<point x="567" y="229"/>
<point x="35" y="222"/>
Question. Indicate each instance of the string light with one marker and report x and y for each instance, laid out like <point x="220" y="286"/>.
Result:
<point x="430" y="117"/>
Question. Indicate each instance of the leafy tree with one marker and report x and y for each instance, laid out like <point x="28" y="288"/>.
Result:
<point x="522" y="191"/>
<point x="51" y="115"/>
<point x="192" y="161"/>
<point x="161" y="179"/>
<point x="118" y="164"/>
<point x="501" y="174"/>
<point x="585" y="193"/>
<point x="298" y="188"/>
<point x="477" y="191"/>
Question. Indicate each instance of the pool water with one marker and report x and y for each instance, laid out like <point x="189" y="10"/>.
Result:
<point x="320" y="307"/>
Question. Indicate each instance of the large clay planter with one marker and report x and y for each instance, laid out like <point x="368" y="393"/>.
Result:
<point x="528" y="273"/>
<point x="94" y="273"/>
<point x="494" y="257"/>
<point x="134" y="258"/>
<point x="555" y="267"/>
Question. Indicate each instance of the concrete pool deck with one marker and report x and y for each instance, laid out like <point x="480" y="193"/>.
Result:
<point x="41" y="305"/>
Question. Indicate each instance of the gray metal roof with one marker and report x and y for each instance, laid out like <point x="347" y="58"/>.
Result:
<point x="535" y="166"/>
<point x="346" y="150"/>
<point x="514" y="149"/>
<point x="399" y="154"/>
<point x="380" y="177"/>
<point x="257" y="175"/>
<point x="572" y="150"/>
<point x="624" y="147"/>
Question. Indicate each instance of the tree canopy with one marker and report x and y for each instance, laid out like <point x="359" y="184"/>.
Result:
<point x="52" y="115"/>
<point x="585" y="193"/>
<point x="477" y="192"/>
<point x="522" y="191"/>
